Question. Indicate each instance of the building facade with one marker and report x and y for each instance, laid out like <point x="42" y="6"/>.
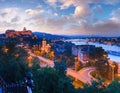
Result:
<point x="45" y="47"/>
<point x="14" y="33"/>
<point x="82" y="52"/>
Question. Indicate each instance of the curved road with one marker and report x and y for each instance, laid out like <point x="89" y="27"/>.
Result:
<point x="45" y="61"/>
<point x="82" y="75"/>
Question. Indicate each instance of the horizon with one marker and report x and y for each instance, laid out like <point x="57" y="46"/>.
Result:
<point x="62" y="17"/>
<point x="87" y="35"/>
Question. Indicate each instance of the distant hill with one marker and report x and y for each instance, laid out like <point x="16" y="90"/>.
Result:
<point x="53" y="36"/>
<point x="2" y="35"/>
<point x="49" y="36"/>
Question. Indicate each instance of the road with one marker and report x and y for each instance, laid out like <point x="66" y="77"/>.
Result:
<point x="82" y="75"/>
<point x="44" y="61"/>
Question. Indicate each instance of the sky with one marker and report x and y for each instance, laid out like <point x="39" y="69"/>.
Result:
<point x="68" y="17"/>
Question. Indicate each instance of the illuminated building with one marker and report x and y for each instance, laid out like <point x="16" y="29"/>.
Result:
<point x="13" y="33"/>
<point x="45" y="47"/>
<point x="82" y="52"/>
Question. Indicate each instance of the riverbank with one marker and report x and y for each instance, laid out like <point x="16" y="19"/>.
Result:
<point x="106" y="47"/>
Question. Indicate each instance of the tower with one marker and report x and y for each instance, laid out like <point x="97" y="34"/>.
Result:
<point x="43" y="44"/>
<point x="24" y="29"/>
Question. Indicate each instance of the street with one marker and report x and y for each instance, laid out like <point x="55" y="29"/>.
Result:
<point x="82" y="75"/>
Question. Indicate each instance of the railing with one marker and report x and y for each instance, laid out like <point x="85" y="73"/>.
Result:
<point x="2" y="85"/>
<point x="14" y="88"/>
<point x="18" y="87"/>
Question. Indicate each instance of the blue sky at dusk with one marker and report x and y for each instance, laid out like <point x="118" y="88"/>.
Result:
<point x="71" y="17"/>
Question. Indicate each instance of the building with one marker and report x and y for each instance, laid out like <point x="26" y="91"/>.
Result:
<point x="14" y="33"/>
<point x="82" y="52"/>
<point x="45" y="47"/>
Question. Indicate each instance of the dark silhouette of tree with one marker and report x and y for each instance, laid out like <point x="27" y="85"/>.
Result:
<point x="13" y="64"/>
<point x="97" y="54"/>
<point x="48" y="80"/>
<point x="95" y="87"/>
<point x="103" y="67"/>
<point x="61" y="67"/>
<point x="113" y="87"/>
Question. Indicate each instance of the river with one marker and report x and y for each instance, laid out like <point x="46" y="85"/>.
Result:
<point x="113" y="50"/>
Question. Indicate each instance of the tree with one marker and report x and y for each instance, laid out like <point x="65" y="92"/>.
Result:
<point x="102" y="67"/>
<point x="95" y="87"/>
<point x="35" y="65"/>
<point x="70" y="61"/>
<point x="50" y="55"/>
<point x="113" y="87"/>
<point x="48" y="80"/>
<point x="78" y="65"/>
<point x="61" y="67"/>
<point x="97" y="54"/>
<point x="13" y="65"/>
<point x="98" y="58"/>
<point x="116" y="67"/>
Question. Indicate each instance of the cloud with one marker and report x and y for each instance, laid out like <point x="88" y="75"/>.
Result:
<point x="116" y="13"/>
<point x="82" y="8"/>
<point x="16" y="19"/>
<point x="82" y="20"/>
<point x="67" y="3"/>
<point x="12" y="18"/>
<point x="55" y="14"/>
<point x="7" y="14"/>
<point x="7" y="11"/>
<point x="82" y="11"/>
<point x="52" y="1"/>
<point x="39" y="6"/>
<point x="112" y="2"/>
<point x="98" y="9"/>
<point x="31" y="11"/>
<point x="4" y="14"/>
<point x="77" y="23"/>
<point x="105" y="28"/>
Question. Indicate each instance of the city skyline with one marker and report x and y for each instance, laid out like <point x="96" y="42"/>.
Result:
<point x="69" y="17"/>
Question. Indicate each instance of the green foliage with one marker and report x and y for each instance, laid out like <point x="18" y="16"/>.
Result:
<point x="98" y="53"/>
<point x="103" y="67"/>
<point x="98" y="58"/>
<point x="35" y="65"/>
<point x="113" y="87"/>
<point x="61" y="67"/>
<point x="116" y="67"/>
<point x="48" y="80"/>
<point x="70" y="61"/>
<point x="95" y="87"/>
<point x="13" y="65"/>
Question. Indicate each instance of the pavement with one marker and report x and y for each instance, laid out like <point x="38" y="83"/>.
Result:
<point x="43" y="61"/>
<point x="82" y="75"/>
